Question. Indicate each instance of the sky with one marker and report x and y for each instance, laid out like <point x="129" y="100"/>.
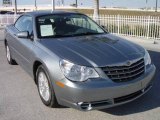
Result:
<point x="107" y="3"/>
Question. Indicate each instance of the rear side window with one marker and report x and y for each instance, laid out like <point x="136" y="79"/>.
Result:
<point x="24" y="23"/>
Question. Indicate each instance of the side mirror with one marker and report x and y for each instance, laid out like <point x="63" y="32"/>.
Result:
<point x="103" y="26"/>
<point x="24" y="34"/>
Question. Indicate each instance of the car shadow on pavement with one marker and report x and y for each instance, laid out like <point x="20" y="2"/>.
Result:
<point x="149" y="101"/>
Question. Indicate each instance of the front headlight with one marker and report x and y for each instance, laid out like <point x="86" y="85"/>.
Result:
<point x="76" y="72"/>
<point x="147" y="58"/>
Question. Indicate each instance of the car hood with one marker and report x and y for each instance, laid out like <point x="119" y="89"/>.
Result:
<point x="94" y="50"/>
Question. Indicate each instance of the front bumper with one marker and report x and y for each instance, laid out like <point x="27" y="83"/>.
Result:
<point x="102" y="93"/>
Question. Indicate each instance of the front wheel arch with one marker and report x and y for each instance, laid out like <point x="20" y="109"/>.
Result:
<point x="35" y="67"/>
<point x="53" y="101"/>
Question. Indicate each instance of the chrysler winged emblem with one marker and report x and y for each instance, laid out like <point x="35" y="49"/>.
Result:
<point x="128" y="63"/>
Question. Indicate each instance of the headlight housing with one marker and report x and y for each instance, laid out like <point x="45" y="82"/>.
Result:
<point x="76" y="72"/>
<point x="147" y="58"/>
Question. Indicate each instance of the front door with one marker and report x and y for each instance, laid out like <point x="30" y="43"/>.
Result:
<point x="23" y="46"/>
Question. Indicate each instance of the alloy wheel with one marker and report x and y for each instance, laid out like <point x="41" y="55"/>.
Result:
<point x="43" y="85"/>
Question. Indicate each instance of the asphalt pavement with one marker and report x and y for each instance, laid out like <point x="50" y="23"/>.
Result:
<point x="19" y="99"/>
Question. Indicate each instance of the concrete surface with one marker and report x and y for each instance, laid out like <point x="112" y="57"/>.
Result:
<point x="19" y="99"/>
<point x="1" y="34"/>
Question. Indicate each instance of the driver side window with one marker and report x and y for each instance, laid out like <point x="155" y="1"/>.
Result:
<point x="24" y="23"/>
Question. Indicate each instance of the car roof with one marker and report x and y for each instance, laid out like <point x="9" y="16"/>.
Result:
<point x="41" y="13"/>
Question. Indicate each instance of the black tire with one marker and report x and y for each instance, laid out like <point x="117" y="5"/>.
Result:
<point x="52" y="101"/>
<point x="9" y="58"/>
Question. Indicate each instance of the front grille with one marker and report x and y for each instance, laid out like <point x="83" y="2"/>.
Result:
<point x="124" y="73"/>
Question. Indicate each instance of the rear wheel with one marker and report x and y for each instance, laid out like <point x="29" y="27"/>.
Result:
<point x="9" y="56"/>
<point x="45" y="88"/>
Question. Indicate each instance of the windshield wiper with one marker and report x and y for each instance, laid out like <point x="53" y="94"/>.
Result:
<point x="72" y="35"/>
<point x="59" y="36"/>
<point x="87" y="33"/>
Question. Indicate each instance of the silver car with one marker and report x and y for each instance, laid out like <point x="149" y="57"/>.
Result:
<point x="76" y="63"/>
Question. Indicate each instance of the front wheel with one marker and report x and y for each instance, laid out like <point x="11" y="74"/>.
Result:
<point x="45" y="88"/>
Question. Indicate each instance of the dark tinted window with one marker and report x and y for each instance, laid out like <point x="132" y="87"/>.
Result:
<point x="24" y="23"/>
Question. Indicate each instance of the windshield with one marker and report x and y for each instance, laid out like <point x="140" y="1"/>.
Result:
<point x="64" y="25"/>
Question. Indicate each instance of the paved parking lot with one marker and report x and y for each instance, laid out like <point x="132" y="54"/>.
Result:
<point x="19" y="99"/>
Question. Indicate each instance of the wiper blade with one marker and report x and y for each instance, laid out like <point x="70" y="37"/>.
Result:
<point x="87" y="33"/>
<point x="59" y="36"/>
<point x="72" y="35"/>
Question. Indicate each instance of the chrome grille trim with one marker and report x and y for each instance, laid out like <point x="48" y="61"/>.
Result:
<point x="123" y="73"/>
<point x="125" y="67"/>
<point x="127" y="72"/>
<point x="129" y="76"/>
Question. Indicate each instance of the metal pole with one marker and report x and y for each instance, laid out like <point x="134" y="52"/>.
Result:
<point x="15" y="7"/>
<point x="96" y="9"/>
<point x="35" y="4"/>
<point x="62" y="2"/>
<point x="53" y="5"/>
<point x="156" y="5"/>
<point x="146" y="4"/>
<point x="76" y="3"/>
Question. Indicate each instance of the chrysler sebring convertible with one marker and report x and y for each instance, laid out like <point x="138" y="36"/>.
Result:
<point x="75" y="62"/>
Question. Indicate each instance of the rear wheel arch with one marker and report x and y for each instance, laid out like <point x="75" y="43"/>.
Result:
<point x="5" y="42"/>
<point x="10" y="60"/>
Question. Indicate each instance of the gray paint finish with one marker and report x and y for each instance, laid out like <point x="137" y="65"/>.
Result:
<point x="91" y="50"/>
<point x="88" y="50"/>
